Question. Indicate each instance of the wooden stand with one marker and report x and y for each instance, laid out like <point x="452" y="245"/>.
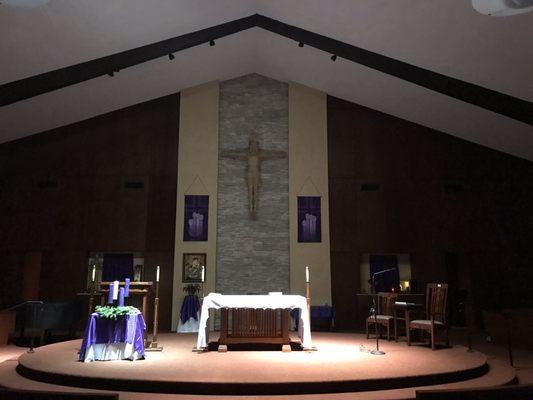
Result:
<point x="136" y="289"/>
<point x="153" y="345"/>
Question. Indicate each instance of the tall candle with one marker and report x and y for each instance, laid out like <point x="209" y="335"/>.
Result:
<point x="94" y="273"/>
<point x="306" y="274"/>
<point x="127" y="288"/>
<point x="157" y="274"/>
<point x="203" y="273"/>
<point x="121" y="297"/>
<point x="110" y="296"/>
<point x="115" y="290"/>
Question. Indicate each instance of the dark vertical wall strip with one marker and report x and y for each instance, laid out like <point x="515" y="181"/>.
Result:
<point x="487" y="223"/>
<point x="64" y="193"/>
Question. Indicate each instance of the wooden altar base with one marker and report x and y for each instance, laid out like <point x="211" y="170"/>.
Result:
<point x="337" y="367"/>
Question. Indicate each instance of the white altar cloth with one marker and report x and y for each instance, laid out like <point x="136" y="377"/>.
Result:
<point x="216" y="301"/>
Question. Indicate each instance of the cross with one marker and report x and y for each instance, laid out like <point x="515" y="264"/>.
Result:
<point x="253" y="155"/>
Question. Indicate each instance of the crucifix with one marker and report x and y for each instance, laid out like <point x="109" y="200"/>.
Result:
<point x="253" y="155"/>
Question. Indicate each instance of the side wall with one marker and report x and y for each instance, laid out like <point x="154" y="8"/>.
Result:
<point x="463" y="212"/>
<point x="197" y="175"/>
<point x="308" y="176"/>
<point x="64" y="193"/>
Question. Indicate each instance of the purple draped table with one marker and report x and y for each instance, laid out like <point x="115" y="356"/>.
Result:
<point x="109" y="339"/>
<point x="189" y="314"/>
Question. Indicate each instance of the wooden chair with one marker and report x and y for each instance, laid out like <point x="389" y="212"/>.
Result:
<point x="385" y="312"/>
<point x="436" y="297"/>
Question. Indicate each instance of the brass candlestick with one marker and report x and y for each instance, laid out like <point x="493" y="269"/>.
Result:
<point x="154" y="345"/>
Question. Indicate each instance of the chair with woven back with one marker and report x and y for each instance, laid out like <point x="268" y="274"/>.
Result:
<point x="436" y="298"/>
<point x="385" y="312"/>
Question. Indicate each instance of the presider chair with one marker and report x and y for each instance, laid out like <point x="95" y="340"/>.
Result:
<point x="385" y="312"/>
<point x="436" y="298"/>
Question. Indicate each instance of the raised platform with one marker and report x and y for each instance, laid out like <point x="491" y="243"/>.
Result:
<point x="338" y="366"/>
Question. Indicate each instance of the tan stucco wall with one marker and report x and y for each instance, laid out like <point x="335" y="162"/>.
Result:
<point x="197" y="174"/>
<point x="308" y="176"/>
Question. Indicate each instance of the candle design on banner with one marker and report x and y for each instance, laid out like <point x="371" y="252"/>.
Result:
<point x="127" y="288"/>
<point x="306" y="274"/>
<point x="110" y="296"/>
<point x="121" y="297"/>
<point x="157" y="274"/>
<point x="115" y="290"/>
<point x="203" y="273"/>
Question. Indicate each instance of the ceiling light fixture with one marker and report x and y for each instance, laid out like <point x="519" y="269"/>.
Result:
<point x="502" y="8"/>
<point x="301" y="44"/>
<point x="333" y="57"/>
<point x="211" y="43"/>
<point x="171" y="56"/>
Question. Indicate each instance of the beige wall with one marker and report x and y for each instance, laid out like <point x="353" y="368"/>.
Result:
<point x="197" y="174"/>
<point x="308" y="176"/>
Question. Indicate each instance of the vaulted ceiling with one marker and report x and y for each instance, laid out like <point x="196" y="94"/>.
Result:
<point x="447" y="37"/>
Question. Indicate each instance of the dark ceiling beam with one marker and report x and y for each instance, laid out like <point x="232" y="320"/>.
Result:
<point x="492" y="100"/>
<point x="33" y="86"/>
<point x="500" y="103"/>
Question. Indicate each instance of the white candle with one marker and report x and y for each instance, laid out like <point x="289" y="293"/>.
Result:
<point x="115" y="290"/>
<point x="94" y="273"/>
<point x="157" y="274"/>
<point x="203" y="274"/>
<point x="306" y="274"/>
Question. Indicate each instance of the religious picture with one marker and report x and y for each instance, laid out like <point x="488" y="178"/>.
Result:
<point x="196" y="216"/>
<point x="309" y="219"/>
<point x="193" y="265"/>
<point x="138" y="273"/>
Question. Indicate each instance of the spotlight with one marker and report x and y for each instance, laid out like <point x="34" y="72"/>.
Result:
<point x="112" y="73"/>
<point x="171" y="56"/>
<point x="211" y="43"/>
<point x="301" y="44"/>
<point x="333" y="57"/>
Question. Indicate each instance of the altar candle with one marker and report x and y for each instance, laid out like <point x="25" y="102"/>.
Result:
<point x="306" y="274"/>
<point x="115" y="290"/>
<point x="203" y="273"/>
<point x="157" y="274"/>
<point x="121" y="297"/>
<point x="94" y="273"/>
<point x="127" y="288"/>
<point x="110" y="296"/>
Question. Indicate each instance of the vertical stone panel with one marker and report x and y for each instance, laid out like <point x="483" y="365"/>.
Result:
<point x="253" y="254"/>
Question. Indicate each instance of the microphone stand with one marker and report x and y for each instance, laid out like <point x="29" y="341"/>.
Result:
<point x="377" y="351"/>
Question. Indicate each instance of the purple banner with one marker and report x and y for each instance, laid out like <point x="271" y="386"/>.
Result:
<point x="196" y="218"/>
<point x="309" y="219"/>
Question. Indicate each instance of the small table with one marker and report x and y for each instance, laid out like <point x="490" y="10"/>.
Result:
<point x="405" y="307"/>
<point x="110" y="339"/>
<point x="189" y="314"/>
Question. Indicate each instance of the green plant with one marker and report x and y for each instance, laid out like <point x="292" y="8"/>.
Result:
<point x="113" y="312"/>
<point x="191" y="289"/>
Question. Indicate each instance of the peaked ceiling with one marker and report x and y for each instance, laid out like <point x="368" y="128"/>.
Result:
<point x="445" y="37"/>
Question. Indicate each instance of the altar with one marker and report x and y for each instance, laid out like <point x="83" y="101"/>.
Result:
<point x="250" y="328"/>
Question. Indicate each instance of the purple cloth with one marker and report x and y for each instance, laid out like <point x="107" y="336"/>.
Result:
<point x="125" y="329"/>
<point x="189" y="308"/>
<point x="322" y="312"/>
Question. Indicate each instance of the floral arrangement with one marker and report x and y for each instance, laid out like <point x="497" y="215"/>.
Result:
<point x="113" y="312"/>
<point x="191" y="289"/>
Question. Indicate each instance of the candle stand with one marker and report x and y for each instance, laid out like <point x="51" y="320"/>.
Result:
<point x="154" y="345"/>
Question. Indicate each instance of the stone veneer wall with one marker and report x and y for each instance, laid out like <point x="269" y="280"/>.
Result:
<point x="253" y="255"/>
